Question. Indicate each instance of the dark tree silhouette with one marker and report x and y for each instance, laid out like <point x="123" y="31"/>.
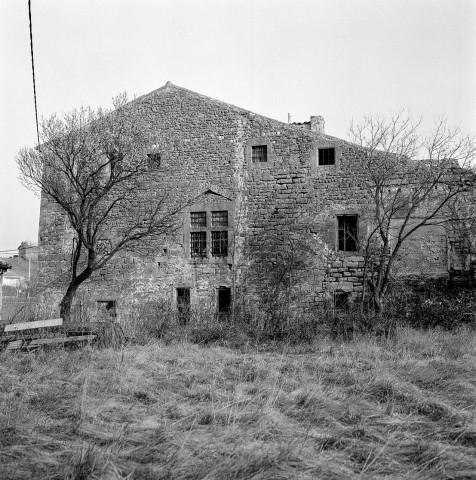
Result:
<point x="91" y="164"/>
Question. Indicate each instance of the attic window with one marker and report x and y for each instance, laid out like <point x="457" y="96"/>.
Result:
<point x="259" y="153"/>
<point x="327" y="156"/>
<point x="154" y="159"/>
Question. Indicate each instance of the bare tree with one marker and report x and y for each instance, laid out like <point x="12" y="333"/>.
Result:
<point x="412" y="180"/>
<point x="92" y="164"/>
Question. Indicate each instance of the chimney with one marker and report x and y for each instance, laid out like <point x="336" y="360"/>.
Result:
<point x="318" y="124"/>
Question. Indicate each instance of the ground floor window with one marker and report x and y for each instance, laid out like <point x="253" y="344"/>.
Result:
<point x="341" y="300"/>
<point x="106" y="310"/>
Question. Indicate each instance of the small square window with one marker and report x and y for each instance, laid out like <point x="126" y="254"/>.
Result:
<point x="198" y="244"/>
<point x="259" y="153"/>
<point x="347" y="233"/>
<point x="220" y="219"/>
<point x="154" y="160"/>
<point x="198" y="219"/>
<point x="220" y="244"/>
<point x="341" y="300"/>
<point x="327" y="156"/>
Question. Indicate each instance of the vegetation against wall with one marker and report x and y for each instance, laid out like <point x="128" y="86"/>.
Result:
<point x="413" y="180"/>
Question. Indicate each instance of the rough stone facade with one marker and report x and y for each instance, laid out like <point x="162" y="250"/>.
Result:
<point x="282" y="227"/>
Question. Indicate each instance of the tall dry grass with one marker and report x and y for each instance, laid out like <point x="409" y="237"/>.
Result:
<point x="400" y="407"/>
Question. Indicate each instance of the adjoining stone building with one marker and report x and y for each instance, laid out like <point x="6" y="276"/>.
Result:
<point x="28" y="250"/>
<point x="273" y="204"/>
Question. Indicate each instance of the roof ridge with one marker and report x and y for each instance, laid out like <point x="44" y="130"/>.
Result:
<point x="170" y="85"/>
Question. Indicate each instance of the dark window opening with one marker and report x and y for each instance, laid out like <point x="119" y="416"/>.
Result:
<point x="341" y="300"/>
<point x="220" y="218"/>
<point x="198" y="244"/>
<point x="154" y="159"/>
<point x="106" y="310"/>
<point x="220" y="244"/>
<point x="259" y="153"/>
<point x="327" y="156"/>
<point x="183" y="304"/>
<point x="103" y="246"/>
<point x="198" y="219"/>
<point x="224" y="300"/>
<point x="347" y="233"/>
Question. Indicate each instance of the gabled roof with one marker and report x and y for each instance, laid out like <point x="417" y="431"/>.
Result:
<point x="169" y="87"/>
<point x="211" y="189"/>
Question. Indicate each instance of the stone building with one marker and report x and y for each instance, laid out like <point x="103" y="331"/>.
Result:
<point x="277" y="209"/>
<point x="28" y="250"/>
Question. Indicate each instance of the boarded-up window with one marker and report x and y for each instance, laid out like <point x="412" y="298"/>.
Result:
<point x="347" y="233"/>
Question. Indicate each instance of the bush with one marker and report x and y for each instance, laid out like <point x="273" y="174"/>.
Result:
<point x="150" y="320"/>
<point x="436" y="306"/>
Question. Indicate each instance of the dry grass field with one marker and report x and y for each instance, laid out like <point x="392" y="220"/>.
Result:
<point x="402" y="408"/>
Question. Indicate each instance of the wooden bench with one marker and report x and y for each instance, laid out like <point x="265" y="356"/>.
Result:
<point x="31" y="335"/>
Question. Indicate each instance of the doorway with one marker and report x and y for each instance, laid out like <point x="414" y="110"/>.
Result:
<point x="224" y="301"/>
<point x="183" y="305"/>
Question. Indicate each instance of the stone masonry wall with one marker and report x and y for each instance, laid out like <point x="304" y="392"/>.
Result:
<point x="282" y="232"/>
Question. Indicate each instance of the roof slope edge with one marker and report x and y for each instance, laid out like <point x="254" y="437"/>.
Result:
<point x="169" y="86"/>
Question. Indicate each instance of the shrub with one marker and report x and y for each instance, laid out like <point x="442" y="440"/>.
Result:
<point x="436" y="306"/>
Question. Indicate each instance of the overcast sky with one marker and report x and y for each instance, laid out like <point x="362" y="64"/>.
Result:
<point x="339" y="58"/>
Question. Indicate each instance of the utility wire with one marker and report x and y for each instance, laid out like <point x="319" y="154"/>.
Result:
<point x="33" y="71"/>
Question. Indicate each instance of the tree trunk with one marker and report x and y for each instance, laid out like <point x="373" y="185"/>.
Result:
<point x="67" y="301"/>
<point x="378" y="301"/>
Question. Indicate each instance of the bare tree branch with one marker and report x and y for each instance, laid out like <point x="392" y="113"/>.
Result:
<point x="412" y="180"/>
<point x="91" y="165"/>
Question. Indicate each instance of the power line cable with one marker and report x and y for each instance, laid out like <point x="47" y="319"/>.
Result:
<point x="33" y="71"/>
